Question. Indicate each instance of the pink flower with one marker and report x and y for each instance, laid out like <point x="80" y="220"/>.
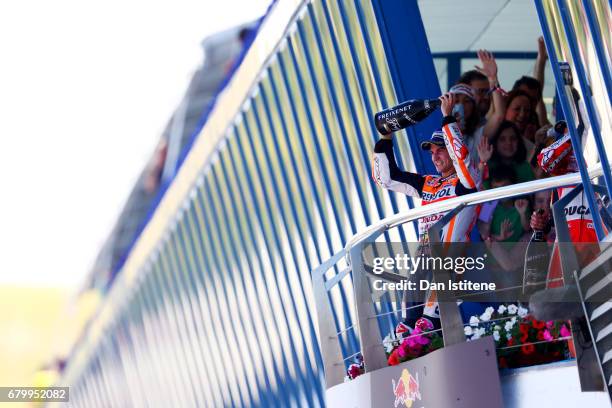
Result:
<point x="565" y="332"/>
<point x="411" y="340"/>
<point x="550" y="324"/>
<point x="422" y="340"/>
<point x="547" y="336"/>
<point x="423" y="324"/>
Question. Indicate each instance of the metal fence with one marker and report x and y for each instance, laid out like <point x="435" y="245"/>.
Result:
<point x="214" y="306"/>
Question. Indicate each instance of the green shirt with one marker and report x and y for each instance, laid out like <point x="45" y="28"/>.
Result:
<point x="500" y="214"/>
<point x="523" y="171"/>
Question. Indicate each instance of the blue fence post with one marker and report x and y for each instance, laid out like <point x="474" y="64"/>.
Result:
<point x="453" y="70"/>
<point x="411" y="66"/>
<point x="563" y="99"/>
<point x="588" y="101"/>
<point x="599" y="47"/>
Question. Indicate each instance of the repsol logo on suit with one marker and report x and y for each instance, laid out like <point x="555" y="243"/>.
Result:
<point x="445" y="192"/>
<point x="577" y="209"/>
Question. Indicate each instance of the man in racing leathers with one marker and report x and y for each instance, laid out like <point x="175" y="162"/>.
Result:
<point x="560" y="300"/>
<point x="558" y="159"/>
<point x="458" y="176"/>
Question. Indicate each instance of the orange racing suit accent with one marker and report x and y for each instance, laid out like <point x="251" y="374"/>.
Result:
<point x="433" y="188"/>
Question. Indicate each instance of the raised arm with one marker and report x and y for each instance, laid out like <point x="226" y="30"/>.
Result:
<point x="468" y="174"/>
<point x="496" y="116"/>
<point x="540" y="63"/>
<point x="388" y="175"/>
<point x="538" y="73"/>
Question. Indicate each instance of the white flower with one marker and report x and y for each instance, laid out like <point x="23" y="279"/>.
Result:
<point x="489" y="310"/>
<point x="509" y="326"/>
<point x="522" y="312"/>
<point x="474" y="321"/>
<point x="497" y="327"/>
<point x="476" y="335"/>
<point x="512" y="309"/>
<point x="513" y="320"/>
<point x="468" y="330"/>
<point x="501" y="309"/>
<point x="485" y="317"/>
<point x="496" y="335"/>
<point x="388" y="342"/>
<point x="480" y="331"/>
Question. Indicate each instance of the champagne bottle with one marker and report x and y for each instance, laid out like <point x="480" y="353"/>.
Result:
<point x="405" y="114"/>
<point x="537" y="258"/>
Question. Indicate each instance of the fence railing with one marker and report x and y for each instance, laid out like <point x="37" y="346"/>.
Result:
<point x="362" y="333"/>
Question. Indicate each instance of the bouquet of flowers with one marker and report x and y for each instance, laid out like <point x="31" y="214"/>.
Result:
<point x="410" y="344"/>
<point x="403" y="345"/>
<point x="520" y="339"/>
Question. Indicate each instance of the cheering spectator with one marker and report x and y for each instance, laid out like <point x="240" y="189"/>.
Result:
<point x="482" y="93"/>
<point x="533" y="88"/>
<point x="509" y="149"/>
<point x="505" y="220"/>
<point x="519" y="110"/>
<point x="498" y="104"/>
<point x="468" y="118"/>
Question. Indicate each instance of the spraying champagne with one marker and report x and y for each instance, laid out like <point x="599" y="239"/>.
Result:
<point x="405" y="114"/>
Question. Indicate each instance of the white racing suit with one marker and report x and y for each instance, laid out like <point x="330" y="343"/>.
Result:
<point x="433" y="188"/>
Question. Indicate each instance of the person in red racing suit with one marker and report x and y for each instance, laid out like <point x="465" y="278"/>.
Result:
<point x="458" y="176"/>
<point x="558" y="159"/>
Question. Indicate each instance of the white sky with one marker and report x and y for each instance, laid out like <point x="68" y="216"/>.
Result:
<point x="85" y="90"/>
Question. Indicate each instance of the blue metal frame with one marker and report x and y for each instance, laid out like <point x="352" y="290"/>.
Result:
<point x="271" y="203"/>
<point x="411" y="67"/>
<point x="588" y="101"/>
<point x="604" y="64"/>
<point x="564" y="100"/>
<point x="255" y="263"/>
<point x="383" y="100"/>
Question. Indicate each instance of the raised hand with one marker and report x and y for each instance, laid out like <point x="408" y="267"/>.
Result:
<point x="485" y="149"/>
<point x="506" y="230"/>
<point x="541" y="134"/>
<point x="539" y="220"/>
<point x="448" y="102"/>
<point x="521" y="205"/>
<point x="542" y="53"/>
<point x="489" y="65"/>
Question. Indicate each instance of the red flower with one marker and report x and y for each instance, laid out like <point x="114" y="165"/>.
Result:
<point x="528" y="348"/>
<point x="415" y="350"/>
<point x="524" y="337"/>
<point x="511" y="342"/>
<point x="354" y="371"/>
<point x="538" y="324"/>
<point x="524" y="328"/>
<point x="393" y="358"/>
<point x="540" y="335"/>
